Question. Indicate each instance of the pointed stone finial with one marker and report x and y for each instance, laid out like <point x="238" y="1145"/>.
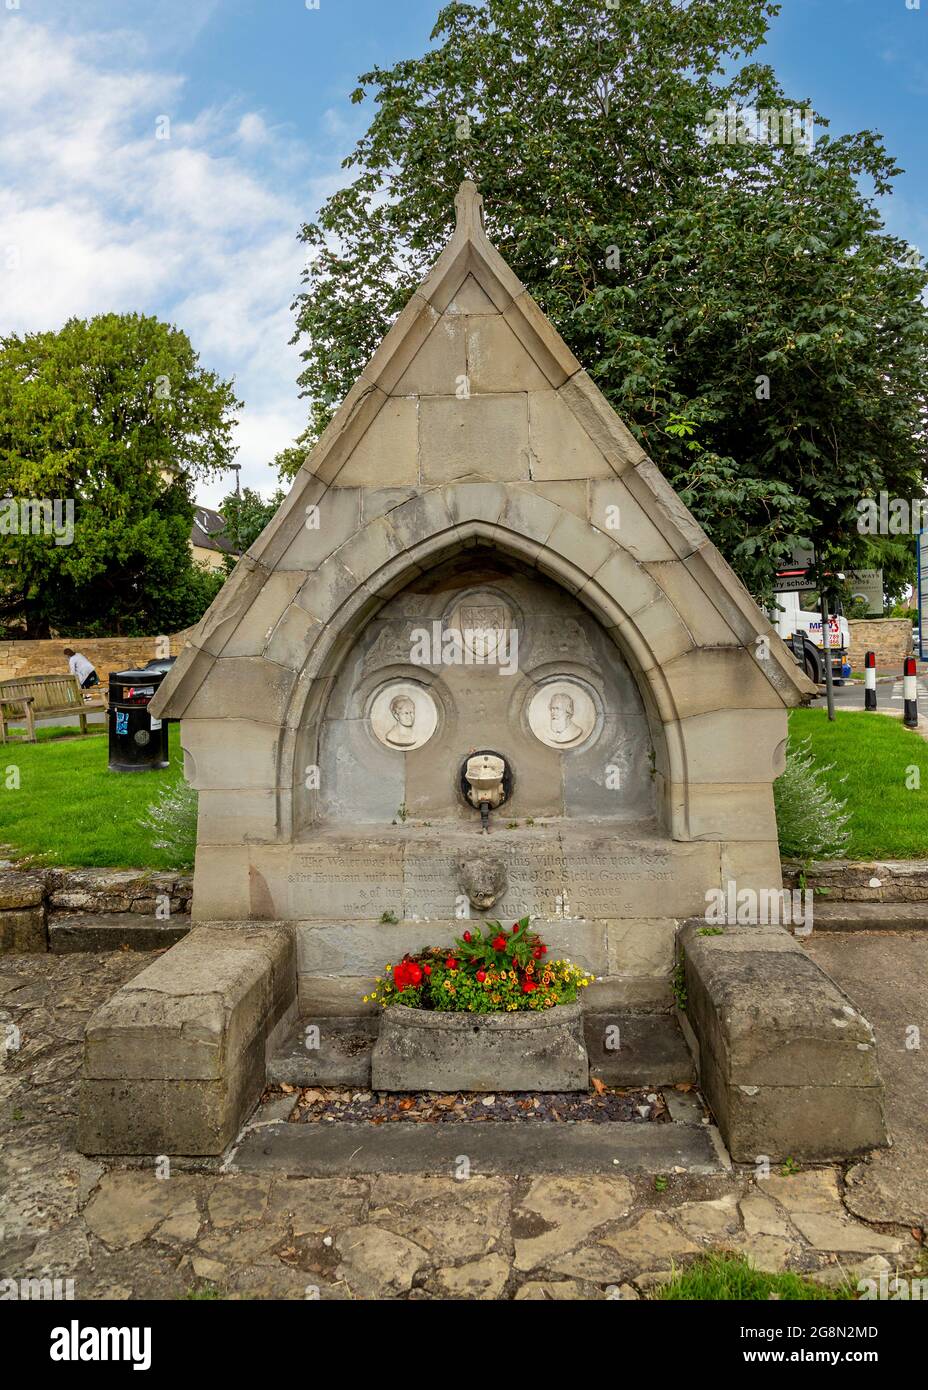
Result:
<point x="469" y="206"/>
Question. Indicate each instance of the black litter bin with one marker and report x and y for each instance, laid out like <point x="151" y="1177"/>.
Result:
<point x="138" y="743"/>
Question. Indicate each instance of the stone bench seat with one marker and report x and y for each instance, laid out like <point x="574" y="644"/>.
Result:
<point x="175" y="1061"/>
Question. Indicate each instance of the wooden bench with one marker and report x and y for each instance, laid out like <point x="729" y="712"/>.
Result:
<point x="32" y="700"/>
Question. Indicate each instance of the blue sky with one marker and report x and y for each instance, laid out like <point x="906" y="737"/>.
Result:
<point x="200" y="228"/>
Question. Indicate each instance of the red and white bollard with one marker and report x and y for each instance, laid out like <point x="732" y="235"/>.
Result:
<point x="910" y="694"/>
<point x="870" y="680"/>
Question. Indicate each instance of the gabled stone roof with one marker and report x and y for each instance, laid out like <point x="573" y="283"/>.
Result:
<point x="472" y="318"/>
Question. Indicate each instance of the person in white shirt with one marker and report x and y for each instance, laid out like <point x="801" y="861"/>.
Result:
<point x="79" y="666"/>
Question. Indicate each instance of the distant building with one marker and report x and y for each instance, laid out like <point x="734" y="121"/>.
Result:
<point x="207" y="542"/>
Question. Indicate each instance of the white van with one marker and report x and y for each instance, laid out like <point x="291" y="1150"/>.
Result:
<point x="798" y="619"/>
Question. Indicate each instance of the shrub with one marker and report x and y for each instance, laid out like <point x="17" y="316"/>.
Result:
<point x="490" y="972"/>
<point x="172" y="820"/>
<point x="811" y="822"/>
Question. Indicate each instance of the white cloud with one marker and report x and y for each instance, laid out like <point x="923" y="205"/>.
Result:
<point x="252" y="129"/>
<point x="199" y="228"/>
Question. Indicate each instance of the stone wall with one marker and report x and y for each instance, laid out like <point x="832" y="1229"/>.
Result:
<point x="33" y="901"/>
<point x="841" y="880"/>
<point x="890" y="638"/>
<point x="46" y="657"/>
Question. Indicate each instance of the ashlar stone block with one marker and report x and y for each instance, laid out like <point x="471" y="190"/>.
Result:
<point x="560" y="446"/>
<point x="720" y="749"/>
<point x="231" y="753"/>
<point x="254" y="631"/>
<point x="497" y="361"/>
<point x="702" y="618"/>
<point x="323" y="530"/>
<point x="293" y="637"/>
<point x="483" y="434"/>
<point x="421" y="517"/>
<point x="720" y="678"/>
<point x="580" y="544"/>
<point x="387" y="455"/>
<point x="440" y="365"/>
<point x="244" y="687"/>
<point x="614" y="510"/>
<point x="236" y="817"/>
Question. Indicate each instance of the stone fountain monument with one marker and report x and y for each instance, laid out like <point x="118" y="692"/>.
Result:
<point x="482" y="662"/>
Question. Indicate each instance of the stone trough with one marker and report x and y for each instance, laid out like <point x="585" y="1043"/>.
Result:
<point x="432" y="1050"/>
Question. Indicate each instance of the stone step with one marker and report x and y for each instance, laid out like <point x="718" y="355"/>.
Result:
<point x="624" y="1050"/>
<point x="113" y="931"/>
<point x="637" y="1049"/>
<point x="837" y="916"/>
<point x="339" y="1054"/>
<point x="492" y="1147"/>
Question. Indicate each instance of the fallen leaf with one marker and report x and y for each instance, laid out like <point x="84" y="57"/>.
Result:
<point x="407" y="1104"/>
<point x="683" y="1086"/>
<point x="599" y="1086"/>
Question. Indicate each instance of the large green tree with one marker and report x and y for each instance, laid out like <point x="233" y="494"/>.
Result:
<point x="116" y="418"/>
<point x="737" y="299"/>
<point x="246" y="513"/>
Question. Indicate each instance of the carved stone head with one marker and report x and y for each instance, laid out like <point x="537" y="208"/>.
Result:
<point x="483" y="879"/>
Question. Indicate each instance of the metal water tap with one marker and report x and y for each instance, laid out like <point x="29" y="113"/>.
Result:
<point x="484" y="773"/>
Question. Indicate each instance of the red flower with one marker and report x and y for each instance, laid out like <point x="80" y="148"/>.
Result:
<point x="467" y="936"/>
<point x="539" y="952"/>
<point x="528" y="986"/>
<point x="451" y="963"/>
<point x="481" y="975"/>
<point x="407" y="973"/>
<point x="426" y="969"/>
<point x="499" y="942"/>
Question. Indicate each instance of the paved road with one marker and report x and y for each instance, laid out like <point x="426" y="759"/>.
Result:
<point x="888" y="695"/>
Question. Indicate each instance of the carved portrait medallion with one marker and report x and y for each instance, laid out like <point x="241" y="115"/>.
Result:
<point x="403" y="716"/>
<point x="562" y="714"/>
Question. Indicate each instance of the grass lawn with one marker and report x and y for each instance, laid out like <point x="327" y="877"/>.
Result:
<point x="70" y="809"/>
<point x="873" y="756"/>
<point x="718" y="1278"/>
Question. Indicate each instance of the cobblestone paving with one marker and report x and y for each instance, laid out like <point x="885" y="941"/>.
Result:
<point x="128" y="1233"/>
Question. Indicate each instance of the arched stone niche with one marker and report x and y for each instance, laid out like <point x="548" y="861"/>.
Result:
<point x="506" y="659"/>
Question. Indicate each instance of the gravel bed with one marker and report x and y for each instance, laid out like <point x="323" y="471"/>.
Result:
<point x="327" y="1105"/>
